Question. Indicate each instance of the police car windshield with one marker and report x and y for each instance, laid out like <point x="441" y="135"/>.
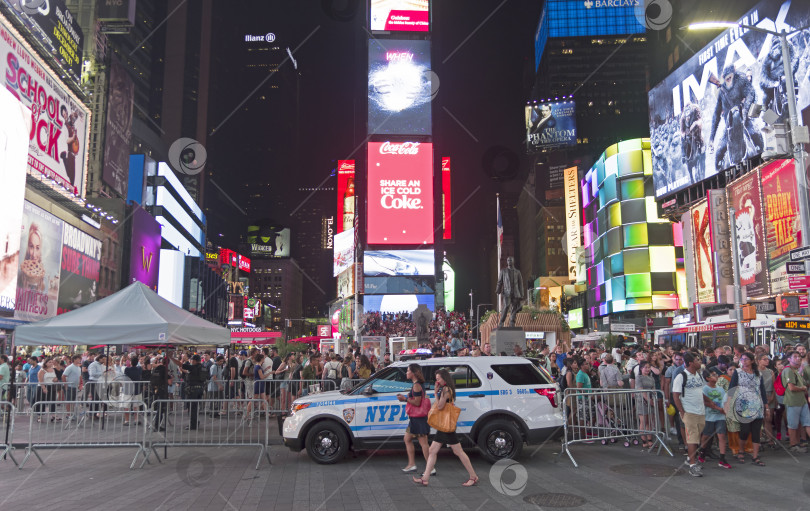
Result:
<point x="390" y="379"/>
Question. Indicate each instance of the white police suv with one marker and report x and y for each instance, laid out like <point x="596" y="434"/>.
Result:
<point x="505" y="402"/>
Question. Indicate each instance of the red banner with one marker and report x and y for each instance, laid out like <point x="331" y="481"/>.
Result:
<point x="447" y="203"/>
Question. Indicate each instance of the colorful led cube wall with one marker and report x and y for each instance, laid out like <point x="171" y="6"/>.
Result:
<point x="635" y="257"/>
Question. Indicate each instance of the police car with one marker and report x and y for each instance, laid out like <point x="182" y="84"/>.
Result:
<point x="505" y="402"/>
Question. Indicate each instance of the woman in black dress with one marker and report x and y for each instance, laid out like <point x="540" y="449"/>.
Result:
<point x="446" y="393"/>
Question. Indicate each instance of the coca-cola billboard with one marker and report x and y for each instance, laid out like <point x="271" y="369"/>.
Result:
<point x="400" y="193"/>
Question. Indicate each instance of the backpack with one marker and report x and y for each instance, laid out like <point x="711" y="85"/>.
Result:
<point x="778" y="386"/>
<point x="562" y="382"/>
<point x="247" y="369"/>
<point x="331" y="373"/>
<point x="679" y="370"/>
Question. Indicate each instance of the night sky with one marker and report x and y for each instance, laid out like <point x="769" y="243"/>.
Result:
<point x="482" y="54"/>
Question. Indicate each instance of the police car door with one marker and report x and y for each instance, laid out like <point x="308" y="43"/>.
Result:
<point x="379" y="415"/>
<point x="473" y="393"/>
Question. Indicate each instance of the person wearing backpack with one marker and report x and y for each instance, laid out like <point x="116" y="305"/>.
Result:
<point x="417" y="407"/>
<point x="675" y="369"/>
<point x="689" y="400"/>
<point x="246" y="374"/>
<point x="331" y="371"/>
<point x="769" y="381"/>
<point x="779" y="418"/>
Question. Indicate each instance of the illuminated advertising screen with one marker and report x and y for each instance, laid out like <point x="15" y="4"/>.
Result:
<point x="381" y="263"/>
<point x="575" y="319"/>
<point x="171" y="276"/>
<point x="400" y="193"/>
<point x="397" y="303"/>
<point x="345" y="283"/>
<point x="144" y="255"/>
<point x="447" y="202"/>
<point x="783" y="230"/>
<point x="400" y="15"/>
<point x="701" y="226"/>
<point x="572" y="219"/>
<point x="550" y="125"/>
<point x="81" y="263"/>
<point x="399" y="285"/>
<point x="269" y="243"/>
<point x="449" y="286"/>
<point x="51" y="23"/>
<point x="58" y="139"/>
<point x="243" y="262"/>
<point x="399" y="87"/>
<point x="40" y="269"/>
<point x="345" y="195"/>
<point x="119" y="128"/>
<point x="344" y="252"/>
<point x="699" y="121"/>
<point x="745" y="196"/>
<point x="13" y="157"/>
<point x="227" y="257"/>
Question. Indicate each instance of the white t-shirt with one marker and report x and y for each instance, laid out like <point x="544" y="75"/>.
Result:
<point x="692" y="395"/>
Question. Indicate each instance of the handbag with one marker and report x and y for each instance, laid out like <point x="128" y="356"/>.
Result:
<point x="444" y="420"/>
<point x="419" y="411"/>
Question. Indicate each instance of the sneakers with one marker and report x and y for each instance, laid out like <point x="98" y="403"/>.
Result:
<point x="701" y="458"/>
<point x="673" y="431"/>
<point x="695" y="470"/>
<point x="723" y="463"/>
<point x="797" y="449"/>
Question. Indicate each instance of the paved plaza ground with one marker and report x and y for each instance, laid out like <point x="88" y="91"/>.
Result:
<point x="608" y="477"/>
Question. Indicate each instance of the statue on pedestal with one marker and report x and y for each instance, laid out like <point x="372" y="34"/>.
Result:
<point x="510" y="284"/>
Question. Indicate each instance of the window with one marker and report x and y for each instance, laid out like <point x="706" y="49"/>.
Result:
<point x="520" y="374"/>
<point x="391" y="379"/>
<point x="463" y="376"/>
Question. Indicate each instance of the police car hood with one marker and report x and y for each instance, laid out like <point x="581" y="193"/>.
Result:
<point x="323" y="396"/>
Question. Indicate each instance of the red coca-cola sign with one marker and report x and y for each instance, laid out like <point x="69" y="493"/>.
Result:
<point x="400" y="193"/>
<point x="411" y="148"/>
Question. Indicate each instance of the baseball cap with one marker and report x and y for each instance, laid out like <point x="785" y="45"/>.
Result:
<point x="243" y="353"/>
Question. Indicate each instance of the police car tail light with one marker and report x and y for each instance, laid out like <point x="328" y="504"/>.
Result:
<point x="551" y="394"/>
<point x="299" y="406"/>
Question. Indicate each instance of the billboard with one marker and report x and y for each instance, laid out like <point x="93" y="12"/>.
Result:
<point x="144" y="254"/>
<point x="345" y="283"/>
<point x="745" y="197"/>
<point x="39" y="270"/>
<point x="60" y="129"/>
<point x="119" y="128"/>
<point x="13" y="156"/>
<point x="345" y="195"/>
<point x="400" y="193"/>
<point x="399" y="285"/>
<point x="344" y="252"/>
<point x="551" y="125"/>
<point x="328" y="233"/>
<point x="704" y="262"/>
<point x="116" y="10"/>
<point x="572" y="222"/>
<point x="699" y="121"/>
<point x="52" y="24"/>
<point x="449" y="286"/>
<point x="390" y="263"/>
<point x="397" y="303"/>
<point x="575" y="319"/>
<point x="81" y="263"/>
<point x="721" y="243"/>
<point x="400" y="15"/>
<point x="399" y="87"/>
<point x="782" y="222"/>
<point x="447" y="202"/>
<point x="269" y="242"/>
<point x="243" y="262"/>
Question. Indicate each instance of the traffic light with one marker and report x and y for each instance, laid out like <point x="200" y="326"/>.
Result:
<point x="787" y="304"/>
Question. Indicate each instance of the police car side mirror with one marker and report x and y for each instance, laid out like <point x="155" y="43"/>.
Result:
<point x="368" y="391"/>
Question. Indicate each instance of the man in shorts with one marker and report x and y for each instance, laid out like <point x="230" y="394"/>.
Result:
<point x="798" y="413"/>
<point x="689" y="400"/>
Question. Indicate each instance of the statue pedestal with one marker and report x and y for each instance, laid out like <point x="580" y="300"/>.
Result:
<point x="505" y="338"/>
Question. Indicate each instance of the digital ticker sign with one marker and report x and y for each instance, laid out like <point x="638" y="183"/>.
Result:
<point x="793" y="324"/>
<point x="400" y="193"/>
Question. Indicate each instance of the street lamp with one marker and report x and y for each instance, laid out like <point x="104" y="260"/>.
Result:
<point x="798" y="134"/>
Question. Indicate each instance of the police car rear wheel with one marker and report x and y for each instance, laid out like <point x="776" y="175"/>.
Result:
<point x="500" y="439"/>
<point x="327" y="443"/>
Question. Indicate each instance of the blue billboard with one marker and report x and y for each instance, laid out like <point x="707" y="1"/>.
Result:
<point x="575" y="18"/>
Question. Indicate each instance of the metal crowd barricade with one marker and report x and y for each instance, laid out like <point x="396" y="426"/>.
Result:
<point x="25" y="394"/>
<point x="210" y="423"/>
<point x="611" y="415"/>
<point x="87" y="424"/>
<point x="7" y="417"/>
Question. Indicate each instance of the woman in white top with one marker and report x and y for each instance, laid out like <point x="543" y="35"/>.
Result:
<point x="46" y="389"/>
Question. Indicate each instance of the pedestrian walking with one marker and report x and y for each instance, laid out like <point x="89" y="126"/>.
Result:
<point x="715" y="417"/>
<point x="417" y="407"/>
<point x="750" y="403"/>
<point x="446" y="394"/>
<point x="645" y="403"/>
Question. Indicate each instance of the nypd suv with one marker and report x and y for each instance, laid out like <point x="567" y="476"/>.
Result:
<point x="505" y="402"/>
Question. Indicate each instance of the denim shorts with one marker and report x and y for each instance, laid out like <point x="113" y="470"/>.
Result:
<point x="798" y="414"/>
<point x="714" y="428"/>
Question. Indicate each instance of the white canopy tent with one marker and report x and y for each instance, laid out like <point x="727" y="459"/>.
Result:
<point x="134" y="315"/>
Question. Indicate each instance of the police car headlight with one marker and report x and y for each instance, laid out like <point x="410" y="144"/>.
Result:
<point x="299" y="406"/>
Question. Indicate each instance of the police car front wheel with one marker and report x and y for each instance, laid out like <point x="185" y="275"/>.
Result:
<point x="327" y="443"/>
<point x="500" y="439"/>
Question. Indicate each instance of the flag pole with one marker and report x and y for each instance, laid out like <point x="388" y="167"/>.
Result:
<point x="499" y="230"/>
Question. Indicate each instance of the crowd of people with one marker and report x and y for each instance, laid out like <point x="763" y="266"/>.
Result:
<point x="438" y="330"/>
<point x="729" y="397"/>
